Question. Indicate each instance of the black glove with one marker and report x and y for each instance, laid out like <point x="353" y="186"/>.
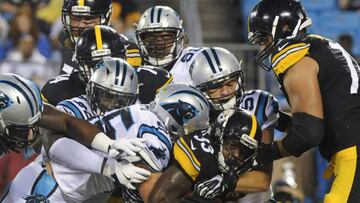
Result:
<point x="267" y="153"/>
<point x="216" y="186"/>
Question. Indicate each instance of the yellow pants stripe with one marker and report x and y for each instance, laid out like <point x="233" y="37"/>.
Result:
<point x="344" y="165"/>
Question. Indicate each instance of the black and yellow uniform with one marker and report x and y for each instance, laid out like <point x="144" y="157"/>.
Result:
<point x="69" y="65"/>
<point x="195" y="156"/>
<point x="59" y="88"/>
<point x="67" y="86"/>
<point x="339" y="86"/>
<point x="151" y="80"/>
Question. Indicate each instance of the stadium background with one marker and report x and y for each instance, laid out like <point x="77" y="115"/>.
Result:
<point x="29" y="47"/>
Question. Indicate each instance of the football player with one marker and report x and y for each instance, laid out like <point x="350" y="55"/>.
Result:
<point x="160" y="36"/>
<point x="321" y="83"/>
<point x="77" y="16"/>
<point x="183" y="110"/>
<point x="229" y="150"/>
<point x="94" y="44"/>
<point x="218" y="74"/>
<point x="112" y="86"/>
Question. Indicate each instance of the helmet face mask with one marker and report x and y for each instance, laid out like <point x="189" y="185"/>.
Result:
<point x="233" y="86"/>
<point x="104" y="99"/>
<point x="159" y="44"/>
<point x="18" y="137"/>
<point x="160" y="35"/>
<point x="218" y="74"/>
<point x="236" y="134"/>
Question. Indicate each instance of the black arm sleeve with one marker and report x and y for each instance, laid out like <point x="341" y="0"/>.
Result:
<point x="306" y="132"/>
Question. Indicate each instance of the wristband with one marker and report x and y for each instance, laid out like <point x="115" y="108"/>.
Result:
<point x="102" y="142"/>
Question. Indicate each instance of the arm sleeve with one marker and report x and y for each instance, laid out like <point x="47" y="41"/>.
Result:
<point x="78" y="158"/>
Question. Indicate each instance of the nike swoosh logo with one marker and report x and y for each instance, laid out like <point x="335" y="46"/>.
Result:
<point x="192" y="146"/>
<point x="282" y="47"/>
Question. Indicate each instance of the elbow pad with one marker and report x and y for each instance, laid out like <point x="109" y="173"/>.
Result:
<point x="306" y="132"/>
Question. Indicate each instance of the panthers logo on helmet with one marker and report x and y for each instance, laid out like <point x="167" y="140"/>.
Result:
<point x="5" y="101"/>
<point x="181" y="111"/>
<point x="36" y="199"/>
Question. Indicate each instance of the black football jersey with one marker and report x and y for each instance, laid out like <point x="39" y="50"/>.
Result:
<point x="69" y="64"/>
<point x="196" y="156"/>
<point x="339" y="85"/>
<point x="151" y="80"/>
<point x="62" y="87"/>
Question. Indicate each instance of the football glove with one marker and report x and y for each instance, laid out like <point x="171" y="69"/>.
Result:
<point x="125" y="173"/>
<point x="216" y="186"/>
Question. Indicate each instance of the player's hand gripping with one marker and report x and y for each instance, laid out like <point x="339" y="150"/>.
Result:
<point x="125" y="173"/>
<point x="215" y="187"/>
<point x="116" y="147"/>
<point x="129" y="146"/>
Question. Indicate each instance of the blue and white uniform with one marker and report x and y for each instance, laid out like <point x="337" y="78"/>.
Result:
<point x="263" y="105"/>
<point x="135" y="121"/>
<point x="180" y="70"/>
<point x="77" y="106"/>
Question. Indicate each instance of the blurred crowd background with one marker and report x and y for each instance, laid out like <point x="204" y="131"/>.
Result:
<point x="29" y="47"/>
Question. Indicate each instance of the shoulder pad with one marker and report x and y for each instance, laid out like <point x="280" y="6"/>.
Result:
<point x="288" y="52"/>
<point x="133" y="54"/>
<point x="196" y="157"/>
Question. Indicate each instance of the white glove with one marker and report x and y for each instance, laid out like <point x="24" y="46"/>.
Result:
<point x="210" y="188"/>
<point x="129" y="146"/>
<point x="125" y="173"/>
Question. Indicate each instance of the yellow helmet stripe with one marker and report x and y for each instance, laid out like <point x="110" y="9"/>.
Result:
<point x="81" y="2"/>
<point x="254" y="127"/>
<point x="98" y="38"/>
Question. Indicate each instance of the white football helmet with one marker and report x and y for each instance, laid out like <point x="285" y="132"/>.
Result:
<point x="113" y="85"/>
<point x="160" y="35"/>
<point x="20" y="108"/>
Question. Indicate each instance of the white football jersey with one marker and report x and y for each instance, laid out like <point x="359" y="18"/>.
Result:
<point x="181" y="68"/>
<point x="77" y="106"/>
<point x="135" y="121"/>
<point x="72" y="185"/>
<point x="263" y="105"/>
<point x="33" y="184"/>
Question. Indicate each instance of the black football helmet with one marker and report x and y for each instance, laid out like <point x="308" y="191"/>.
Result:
<point x="84" y="8"/>
<point x="97" y="43"/>
<point x="236" y="135"/>
<point x="278" y="19"/>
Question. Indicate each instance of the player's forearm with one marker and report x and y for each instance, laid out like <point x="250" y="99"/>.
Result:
<point x="253" y="181"/>
<point x="58" y="121"/>
<point x="78" y="158"/>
